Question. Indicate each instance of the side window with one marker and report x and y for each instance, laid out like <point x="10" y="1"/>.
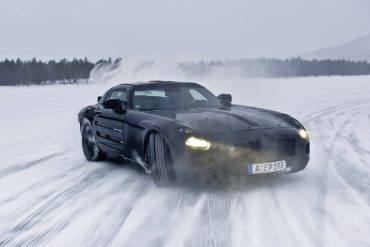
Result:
<point x="197" y="95"/>
<point x="119" y="94"/>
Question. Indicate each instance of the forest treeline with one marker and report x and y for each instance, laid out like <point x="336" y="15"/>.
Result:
<point x="36" y="72"/>
<point x="263" y="67"/>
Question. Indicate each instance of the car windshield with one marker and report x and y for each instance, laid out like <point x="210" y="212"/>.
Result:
<point x="164" y="97"/>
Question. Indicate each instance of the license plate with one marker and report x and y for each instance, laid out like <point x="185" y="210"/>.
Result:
<point x="269" y="167"/>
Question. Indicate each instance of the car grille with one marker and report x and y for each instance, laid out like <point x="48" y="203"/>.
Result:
<point x="258" y="150"/>
<point x="286" y="147"/>
<point x="254" y="145"/>
<point x="280" y="146"/>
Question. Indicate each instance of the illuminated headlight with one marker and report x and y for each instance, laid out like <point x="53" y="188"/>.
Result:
<point x="303" y="133"/>
<point x="197" y="143"/>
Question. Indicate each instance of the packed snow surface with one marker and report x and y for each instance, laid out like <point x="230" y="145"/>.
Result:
<point x="51" y="196"/>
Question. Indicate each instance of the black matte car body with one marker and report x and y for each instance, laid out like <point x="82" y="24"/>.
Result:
<point x="239" y="135"/>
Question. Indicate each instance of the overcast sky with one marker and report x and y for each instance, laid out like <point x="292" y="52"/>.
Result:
<point x="210" y="29"/>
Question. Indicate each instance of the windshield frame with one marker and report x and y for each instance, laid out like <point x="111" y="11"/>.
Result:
<point x="214" y="101"/>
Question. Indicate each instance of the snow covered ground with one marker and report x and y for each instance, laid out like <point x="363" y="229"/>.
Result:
<point x="51" y="196"/>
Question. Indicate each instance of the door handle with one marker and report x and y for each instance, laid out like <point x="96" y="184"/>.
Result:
<point x="97" y="111"/>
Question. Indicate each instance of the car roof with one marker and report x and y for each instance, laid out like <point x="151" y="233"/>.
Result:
<point x="158" y="82"/>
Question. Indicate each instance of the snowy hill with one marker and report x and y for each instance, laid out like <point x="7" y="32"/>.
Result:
<point x="357" y="50"/>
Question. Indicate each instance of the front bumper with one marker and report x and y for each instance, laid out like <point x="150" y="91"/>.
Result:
<point x="230" y="153"/>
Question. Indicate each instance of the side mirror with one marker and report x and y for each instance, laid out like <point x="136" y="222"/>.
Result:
<point x="99" y="98"/>
<point x="116" y="105"/>
<point x="225" y="99"/>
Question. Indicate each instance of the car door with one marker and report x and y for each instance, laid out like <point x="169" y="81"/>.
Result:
<point x="109" y="124"/>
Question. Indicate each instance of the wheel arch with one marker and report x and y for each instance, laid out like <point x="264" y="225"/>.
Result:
<point x="87" y="113"/>
<point x="150" y="131"/>
<point x="83" y="122"/>
<point x="146" y="136"/>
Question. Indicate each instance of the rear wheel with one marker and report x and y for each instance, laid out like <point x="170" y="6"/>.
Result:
<point x="159" y="160"/>
<point x="90" y="148"/>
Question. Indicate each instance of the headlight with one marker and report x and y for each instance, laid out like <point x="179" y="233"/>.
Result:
<point x="303" y="133"/>
<point x="197" y="143"/>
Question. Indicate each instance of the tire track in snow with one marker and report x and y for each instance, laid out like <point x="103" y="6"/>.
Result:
<point x="22" y="166"/>
<point x="333" y="153"/>
<point x="213" y="226"/>
<point x="336" y="168"/>
<point x="70" y="194"/>
<point x="115" y="218"/>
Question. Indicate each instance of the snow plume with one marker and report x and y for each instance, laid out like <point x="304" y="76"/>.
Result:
<point x="183" y="68"/>
<point x="136" y="69"/>
<point x="171" y="68"/>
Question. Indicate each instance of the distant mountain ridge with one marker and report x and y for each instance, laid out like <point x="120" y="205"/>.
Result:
<point x="356" y="50"/>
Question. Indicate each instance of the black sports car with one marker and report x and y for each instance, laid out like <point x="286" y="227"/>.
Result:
<point x="177" y="128"/>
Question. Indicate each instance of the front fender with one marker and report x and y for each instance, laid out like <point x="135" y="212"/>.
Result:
<point x="86" y="112"/>
<point x="149" y="128"/>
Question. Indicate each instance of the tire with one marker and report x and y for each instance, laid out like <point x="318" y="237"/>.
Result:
<point x="160" y="161"/>
<point x="89" y="146"/>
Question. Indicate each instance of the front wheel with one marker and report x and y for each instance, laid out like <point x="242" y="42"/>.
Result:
<point x="90" y="148"/>
<point x="160" y="161"/>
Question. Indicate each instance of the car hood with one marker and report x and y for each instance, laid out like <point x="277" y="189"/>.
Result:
<point x="219" y="120"/>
